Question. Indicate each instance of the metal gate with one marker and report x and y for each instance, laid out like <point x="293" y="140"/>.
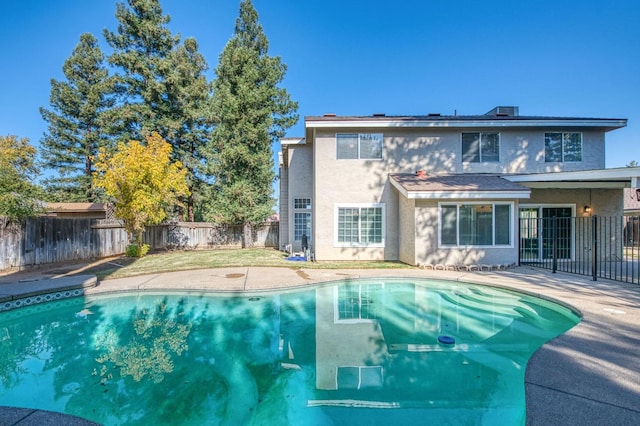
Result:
<point x="598" y="246"/>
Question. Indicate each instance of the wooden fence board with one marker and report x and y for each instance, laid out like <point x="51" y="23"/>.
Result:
<point x="47" y="240"/>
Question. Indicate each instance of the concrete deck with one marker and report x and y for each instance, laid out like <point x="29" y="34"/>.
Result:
<point x="588" y="376"/>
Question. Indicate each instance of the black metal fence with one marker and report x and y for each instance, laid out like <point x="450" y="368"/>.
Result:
<point x="597" y="246"/>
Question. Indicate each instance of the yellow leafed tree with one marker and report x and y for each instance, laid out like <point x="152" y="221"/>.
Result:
<point x="142" y="181"/>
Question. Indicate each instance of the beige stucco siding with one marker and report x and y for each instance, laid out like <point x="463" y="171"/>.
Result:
<point x="300" y="178"/>
<point x="407" y="230"/>
<point x="604" y="202"/>
<point x="521" y="151"/>
<point x="314" y="171"/>
<point x="355" y="182"/>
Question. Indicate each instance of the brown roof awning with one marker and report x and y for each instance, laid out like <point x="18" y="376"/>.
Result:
<point x="466" y="186"/>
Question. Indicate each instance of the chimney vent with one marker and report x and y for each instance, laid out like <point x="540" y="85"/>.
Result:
<point x="504" y="111"/>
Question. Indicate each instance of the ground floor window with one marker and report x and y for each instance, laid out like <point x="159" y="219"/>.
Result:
<point x="475" y="224"/>
<point x="360" y="225"/>
<point x="301" y="225"/>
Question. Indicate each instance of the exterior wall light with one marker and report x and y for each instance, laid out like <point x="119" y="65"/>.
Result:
<point x="587" y="209"/>
<point x="638" y="194"/>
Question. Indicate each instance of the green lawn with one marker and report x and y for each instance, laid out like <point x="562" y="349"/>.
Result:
<point x="185" y="260"/>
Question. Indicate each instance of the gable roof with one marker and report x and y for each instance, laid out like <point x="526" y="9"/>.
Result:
<point x="466" y="186"/>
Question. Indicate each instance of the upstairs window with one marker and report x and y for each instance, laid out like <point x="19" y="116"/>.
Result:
<point x="562" y="147"/>
<point x="364" y="146"/>
<point x="480" y="147"/>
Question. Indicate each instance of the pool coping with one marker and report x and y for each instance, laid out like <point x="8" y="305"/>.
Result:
<point x="588" y="375"/>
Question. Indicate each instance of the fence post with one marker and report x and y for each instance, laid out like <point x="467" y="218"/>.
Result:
<point x="594" y="248"/>
<point x="554" y="245"/>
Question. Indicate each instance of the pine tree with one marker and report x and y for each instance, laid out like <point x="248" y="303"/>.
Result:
<point x="162" y="88"/>
<point x="186" y="117"/>
<point x="76" y="126"/>
<point x="251" y="112"/>
<point x="141" y="49"/>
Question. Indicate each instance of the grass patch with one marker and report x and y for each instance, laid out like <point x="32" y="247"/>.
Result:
<point x="203" y="259"/>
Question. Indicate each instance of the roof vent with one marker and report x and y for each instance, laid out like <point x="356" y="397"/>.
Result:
<point x="330" y="114"/>
<point x="505" y="111"/>
<point x="379" y="114"/>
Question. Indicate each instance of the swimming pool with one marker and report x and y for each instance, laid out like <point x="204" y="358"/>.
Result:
<point x="356" y="352"/>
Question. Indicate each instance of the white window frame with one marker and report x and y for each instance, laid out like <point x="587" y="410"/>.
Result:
<point x="540" y="207"/>
<point x="360" y="137"/>
<point x="301" y="205"/>
<point x="480" y="159"/>
<point x="562" y="159"/>
<point x="512" y="237"/>
<point x="336" y="210"/>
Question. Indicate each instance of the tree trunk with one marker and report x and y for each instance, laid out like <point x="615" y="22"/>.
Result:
<point x="247" y="238"/>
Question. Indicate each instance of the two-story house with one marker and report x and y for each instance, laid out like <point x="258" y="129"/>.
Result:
<point x="441" y="190"/>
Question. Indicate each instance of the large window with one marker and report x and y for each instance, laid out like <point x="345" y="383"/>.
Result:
<point x="360" y="225"/>
<point x="301" y="218"/>
<point x="560" y="147"/>
<point x="365" y="146"/>
<point x="482" y="224"/>
<point x="480" y="147"/>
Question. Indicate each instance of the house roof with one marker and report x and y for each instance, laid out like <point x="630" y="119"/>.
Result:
<point x="75" y="207"/>
<point x="467" y="186"/>
<point x="463" y="121"/>
<point x="621" y="177"/>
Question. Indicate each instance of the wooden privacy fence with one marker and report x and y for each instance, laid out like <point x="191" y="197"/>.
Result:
<point x="47" y="240"/>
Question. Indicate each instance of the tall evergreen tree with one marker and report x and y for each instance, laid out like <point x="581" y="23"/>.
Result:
<point x="76" y="125"/>
<point x="141" y="49"/>
<point x="185" y="118"/>
<point x="162" y="88"/>
<point x="251" y="112"/>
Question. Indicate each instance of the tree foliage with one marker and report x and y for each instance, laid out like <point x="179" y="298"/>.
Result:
<point x="251" y="111"/>
<point x="76" y="126"/>
<point x="142" y="181"/>
<point x="161" y="87"/>
<point x="19" y="196"/>
<point x="185" y="118"/>
<point x="141" y="47"/>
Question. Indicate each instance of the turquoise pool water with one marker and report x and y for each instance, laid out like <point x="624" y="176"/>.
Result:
<point x="363" y="352"/>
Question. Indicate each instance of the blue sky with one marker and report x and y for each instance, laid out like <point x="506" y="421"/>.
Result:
<point x="577" y="58"/>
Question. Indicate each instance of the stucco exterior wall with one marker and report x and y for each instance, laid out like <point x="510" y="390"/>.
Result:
<point x="603" y="202"/>
<point x="521" y="151"/>
<point x="407" y="230"/>
<point x="411" y="234"/>
<point x="299" y="185"/>
<point x="350" y="182"/>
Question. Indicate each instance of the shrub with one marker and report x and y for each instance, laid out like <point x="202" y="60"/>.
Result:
<point x="134" y="250"/>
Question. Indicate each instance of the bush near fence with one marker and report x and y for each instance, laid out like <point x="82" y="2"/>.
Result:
<point x="46" y="240"/>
